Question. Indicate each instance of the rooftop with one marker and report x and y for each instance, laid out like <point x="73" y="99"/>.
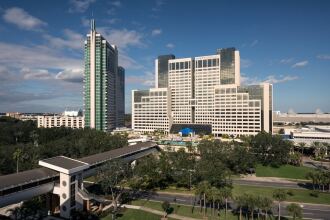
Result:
<point x="64" y="164"/>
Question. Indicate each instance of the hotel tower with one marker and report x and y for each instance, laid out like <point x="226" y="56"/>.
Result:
<point x="104" y="84"/>
<point x="204" y="94"/>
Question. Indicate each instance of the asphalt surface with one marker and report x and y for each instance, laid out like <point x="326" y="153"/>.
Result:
<point x="310" y="211"/>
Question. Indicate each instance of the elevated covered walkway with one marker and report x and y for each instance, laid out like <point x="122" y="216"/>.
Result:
<point x="60" y="173"/>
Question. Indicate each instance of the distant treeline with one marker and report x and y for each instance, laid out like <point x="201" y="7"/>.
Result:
<point x="23" y="143"/>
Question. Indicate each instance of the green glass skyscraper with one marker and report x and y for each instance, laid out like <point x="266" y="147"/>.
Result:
<point x="102" y="109"/>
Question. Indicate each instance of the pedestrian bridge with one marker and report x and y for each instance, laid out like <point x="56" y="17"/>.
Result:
<point x="63" y="176"/>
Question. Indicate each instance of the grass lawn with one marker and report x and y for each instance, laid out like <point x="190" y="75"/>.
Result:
<point x="182" y="210"/>
<point x="286" y="171"/>
<point x="298" y="194"/>
<point x="131" y="214"/>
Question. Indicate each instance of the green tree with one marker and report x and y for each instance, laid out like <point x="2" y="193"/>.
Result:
<point x="201" y="190"/>
<point x="166" y="208"/>
<point x="240" y="202"/>
<point x="270" y="149"/>
<point x="226" y="193"/>
<point x="251" y="204"/>
<point x="113" y="176"/>
<point x="266" y="205"/>
<point x="279" y="195"/>
<point x="295" y="210"/>
<point x="302" y="146"/>
<point x="17" y="156"/>
<point x="34" y="136"/>
<point x="314" y="177"/>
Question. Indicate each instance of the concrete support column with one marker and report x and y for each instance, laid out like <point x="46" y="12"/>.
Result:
<point x="65" y="195"/>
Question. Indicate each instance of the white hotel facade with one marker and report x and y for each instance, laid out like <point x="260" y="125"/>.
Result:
<point x="202" y="91"/>
<point x="69" y="119"/>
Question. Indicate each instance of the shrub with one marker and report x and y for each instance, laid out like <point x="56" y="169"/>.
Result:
<point x="290" y="192"/>
<point x="314" y="193"/>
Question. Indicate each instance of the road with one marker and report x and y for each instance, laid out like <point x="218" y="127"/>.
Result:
<point x="310" y="211"/>
<point x="308" y="162"/>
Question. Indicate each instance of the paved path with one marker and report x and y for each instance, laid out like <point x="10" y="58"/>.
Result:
<point x="288" y="184"/>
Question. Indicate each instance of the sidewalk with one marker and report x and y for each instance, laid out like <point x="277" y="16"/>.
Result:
<point x="270" y="179"/>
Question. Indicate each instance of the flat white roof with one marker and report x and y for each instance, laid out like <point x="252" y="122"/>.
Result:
<point x="64" y="164"/>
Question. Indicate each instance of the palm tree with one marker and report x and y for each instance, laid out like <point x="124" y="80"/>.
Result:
<point x="258" y="203"/>
<point x="316" y="146"/>
<point x="302" y="145"/>
<point x="18" y="135"/>
<point x="34" y="136"/>
<point x="252" y="203"/>
<point x="17" y="156"/>
<point x="218" y="198"/>
<point x="295" y="210"/>
<point x="212" y="194"/>
<point x="190" y="147"/>
<point x="266" y="205"/>
<point x="226" y="193"/>
<point x="240" y="202"/>
<point x="323" y="180"/>
<point x="312" y="176"/>
<point x="280" y="196"/>
<point x="201" y="190"/>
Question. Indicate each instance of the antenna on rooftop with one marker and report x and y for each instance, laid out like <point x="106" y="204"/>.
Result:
<point x="93" y="25"/>
<point x="92" y="22"/>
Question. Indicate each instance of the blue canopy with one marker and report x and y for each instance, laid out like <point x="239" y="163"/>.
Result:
<point x="186" y="131"/>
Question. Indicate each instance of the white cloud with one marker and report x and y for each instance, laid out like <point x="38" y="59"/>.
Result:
<point x="158" y="5"/>
<point x="170" y="45"/>
<point x="37" y="57"/>
<point x="72" y="40"/>
<point x="112" y="20"/>
<point x="35" y="74"/>
<point x="254" y="43"/>
<point x="14" y="96"/>
<point x="245" y="80"/>
<point x="85" y="22"/>
<point x="111" y="11"/>
<point x="287" y="60"/>
<point x="123" y="38"/>
<point x="116" y="3"/>
<point x="80" y="5"/>
<point x="245" y="63"/>
<point x="300" y="64"/>
<point x="23" y="19"/>
<point x="156" y="32"/>
<point x="146" y="79"/>
<point x="324" y="57"/>
<point x="127" y="62"/>
<point x="272" y="79"/>
<point x="71" y="75"/>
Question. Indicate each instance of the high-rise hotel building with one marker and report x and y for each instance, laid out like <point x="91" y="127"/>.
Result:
<point x="104" y="84"/>
<point x="203" y="92"/>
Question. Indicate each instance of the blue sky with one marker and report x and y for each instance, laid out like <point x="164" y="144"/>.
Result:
<point x="283" y="42"/>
